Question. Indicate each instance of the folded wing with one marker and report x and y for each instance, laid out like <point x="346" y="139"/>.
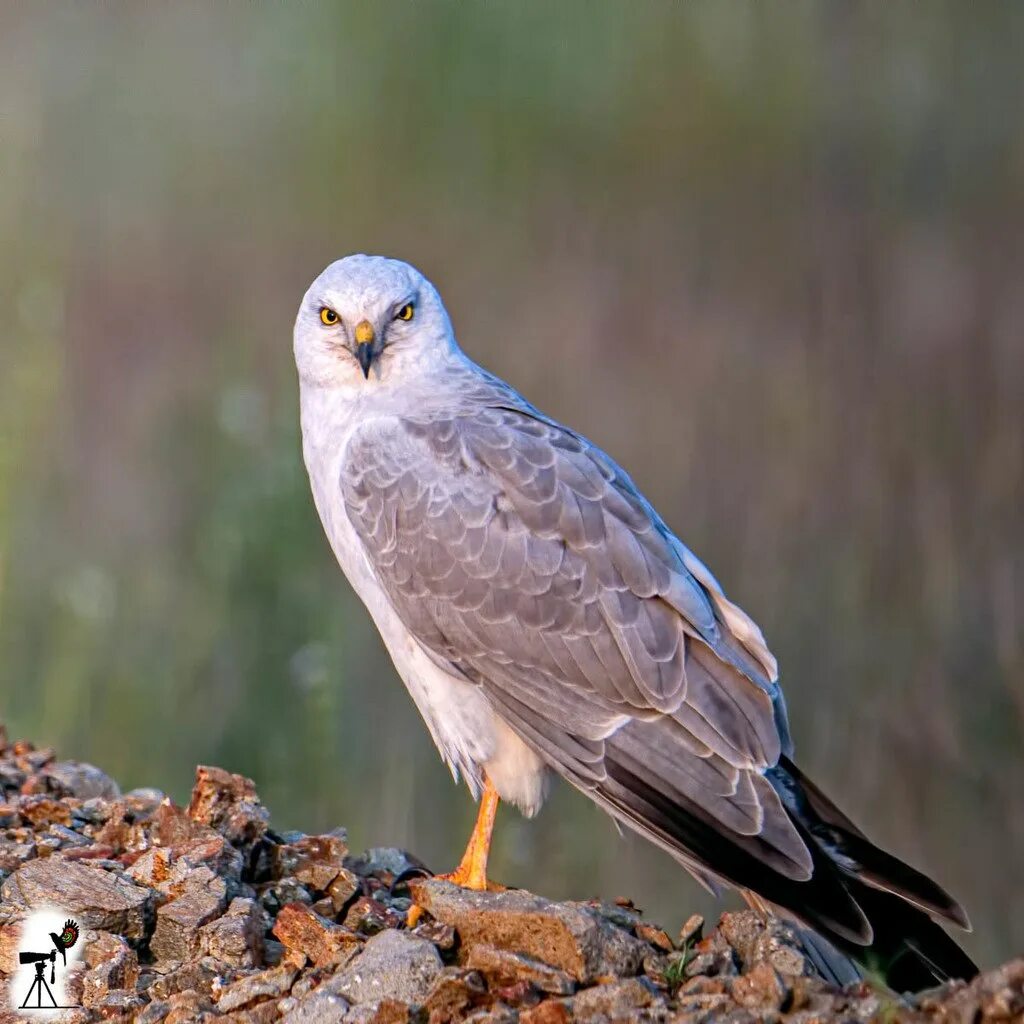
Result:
<point x="522" y="556"/>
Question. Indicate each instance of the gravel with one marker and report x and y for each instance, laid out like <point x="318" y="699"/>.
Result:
<point x="205" y="913"/>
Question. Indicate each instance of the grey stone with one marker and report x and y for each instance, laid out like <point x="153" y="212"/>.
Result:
<point x="68" y="837"/>
<point x="392" y="965"/>
<point x="616" y="999"/>
<point x="118" y="1003"/>
<point x="389" y="860"/>
<point x="13" y="855"/>
<point x="81" y="780"/>
<point x="316" y="861"/>
<point x="282" y="892"/>
<point x="269" y="984"/>
<point x="318" y="1008"/>
<point x="237" y="937"/>
<point x="201" y="898"/>
<point x="94" y="897"/>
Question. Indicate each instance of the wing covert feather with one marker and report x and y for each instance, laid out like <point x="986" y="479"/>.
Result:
<point x="506" y="540"/>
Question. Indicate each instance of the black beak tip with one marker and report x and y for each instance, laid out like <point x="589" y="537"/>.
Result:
<point x="364" y="355"/>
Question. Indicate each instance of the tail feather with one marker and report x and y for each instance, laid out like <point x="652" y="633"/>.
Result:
<point x="908" y="949"/>
<point x="871" y="864"/>
<point x="867" y="904"/>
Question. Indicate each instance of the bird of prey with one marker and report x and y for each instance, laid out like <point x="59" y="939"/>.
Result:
<point x="546" y="620"/>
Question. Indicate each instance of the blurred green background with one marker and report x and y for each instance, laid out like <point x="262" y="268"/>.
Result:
<point x="770" y="256"/>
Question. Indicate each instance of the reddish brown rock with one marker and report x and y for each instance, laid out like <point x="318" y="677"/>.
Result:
<point x="551" y="1012"/>
<point x="570" y="937"/>
<point x="162" y="877"/>
<point x="502" y="968"/>
<point x="113" y="967"/>
<point x="186" y="1008"/>
<point x="996" y="996"/>
<point x="519" y="994"/>
<point x="39" y="811"/>
<point x="656" y="937"/>
<point x="229" y="804"/>
<point x="151" y="868"/>
<point x="454" y="992"/>
<point x="10" y="940"/>
<point x="342" y="889"/>
<point x="298" y="927"/>
<point x="122" y="830"/>
<point x="261" y="1013"/>
<point x="390" y="1011"/>
<point x="440" y="934"/>
<point x="690" y="933"/>
<point x="760" y="988"/>
<point x="756" y="940"/>
<point x="615" y="1000"/>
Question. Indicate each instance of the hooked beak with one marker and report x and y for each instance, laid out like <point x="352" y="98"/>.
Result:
<point x="365" y="337"/>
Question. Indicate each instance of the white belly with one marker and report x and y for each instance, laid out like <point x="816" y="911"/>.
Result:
<point x="471" y="737"/>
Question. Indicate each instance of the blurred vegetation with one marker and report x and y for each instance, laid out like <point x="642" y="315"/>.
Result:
<point x="770" y="256"/>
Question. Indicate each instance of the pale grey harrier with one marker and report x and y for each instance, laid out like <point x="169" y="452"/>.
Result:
<point x="545" y="619"/>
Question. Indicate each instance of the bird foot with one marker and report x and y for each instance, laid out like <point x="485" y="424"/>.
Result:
<point x="472" y="870"/>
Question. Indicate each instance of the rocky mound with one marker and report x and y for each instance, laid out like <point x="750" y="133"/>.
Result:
<point x="207" y="913"/>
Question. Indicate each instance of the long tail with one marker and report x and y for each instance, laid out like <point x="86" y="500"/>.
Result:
<point x="908" y="948"/>
<point x="868" y="904"/>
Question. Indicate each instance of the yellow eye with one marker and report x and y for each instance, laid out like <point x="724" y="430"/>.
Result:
<point x="328" y="317"/>
<point x="405" y="313"/>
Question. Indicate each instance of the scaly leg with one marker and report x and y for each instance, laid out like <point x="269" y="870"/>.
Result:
<point x="472" y="870"/>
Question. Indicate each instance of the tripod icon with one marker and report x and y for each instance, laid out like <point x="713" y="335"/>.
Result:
<point x="40" y="983"/>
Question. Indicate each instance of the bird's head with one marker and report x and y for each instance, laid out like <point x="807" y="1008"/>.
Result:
<point x="368" y="319"/>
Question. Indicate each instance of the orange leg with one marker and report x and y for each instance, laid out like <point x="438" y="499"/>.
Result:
<point x="472" y="870"/>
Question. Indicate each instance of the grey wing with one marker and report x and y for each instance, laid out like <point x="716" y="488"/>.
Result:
<point x="523" y="556"/>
